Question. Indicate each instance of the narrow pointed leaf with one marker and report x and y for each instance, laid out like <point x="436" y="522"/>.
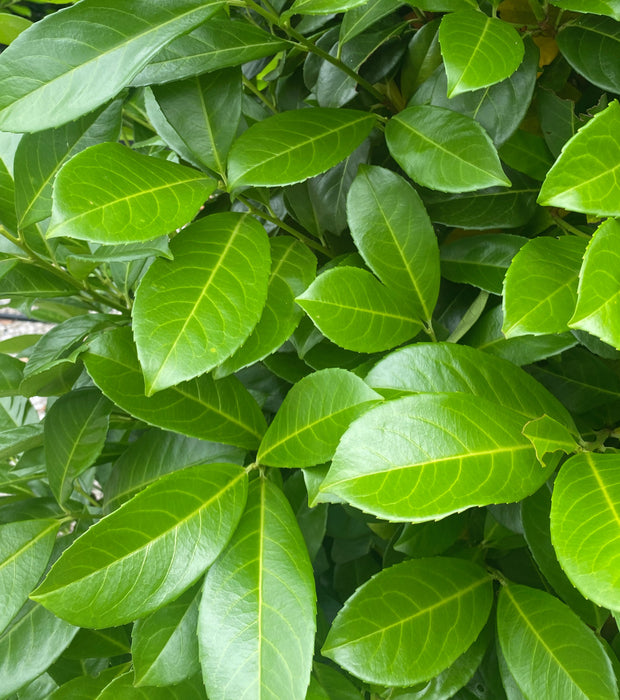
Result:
<point x="585" y="525"/>
<point x="599" y="286"/>
<point x="537" y="631"/>
<point x="148" y="551"/>
<point x="376" y="636"/>
<point x="313" y="417"/>
<point x="144" y="197"/>
<point x="426" y="456"/>
<point x="202" y="408"/>
<point x="322" y="7"/>
<point x="257" y="617"/>
<point x="548" y="436"/>
<point x="444" y="150"/>
<point x="394" y="235"/>
<point x="193" y="312"/>
<point x="540" y="289"/>
<point x="104" y="45"/>
<point x="293" y="146"/>
<point x="25" y="549"/>
<point x="584" y="177"/>
<point x="354" y="310"/>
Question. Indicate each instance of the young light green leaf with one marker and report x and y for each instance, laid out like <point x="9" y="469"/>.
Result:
<point x="293" y="268"/>
<point x="148" y="551"/>
<point x="538" y="631"/>
<point x="477" y="50"/>
<point x="104" y="44"/>
<point x="313" y="417"/>
<point x="33" y="641"/>
<point x="586" y="43"/>
<point x="293" y="146"/>
<point x="387" y="461"/>
<point x="25" y="549"/>
<point x="480" y="260"/>
<point x="585" y="525"/>
<point x="219" y="43"/>
<point x="443" y="150"/>
<point x="611" y="8"/>
<point x="11" y="374"/>
<point x="540" y="288"/>
<point x="354" y="310"/>
<point x="202" y="407"/>
<point x="75" y="429"/>
<point x="548" y="435"/>
<point x="164" y="644"/>
<point x="394" y="235"/>
<point x="144" y="197"/>
<point x="376" y="636"/>
<point x="583" y="178"/>
<point x="193" y="312"/>
<point x="322" y="7"/>
<point x="599" y="286"/>
<point x="257" y="617"/>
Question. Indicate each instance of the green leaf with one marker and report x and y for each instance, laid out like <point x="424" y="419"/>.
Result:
<point x="548" y="436"/>
<point x="293" y="268"/>
<point x="429" y="539"/>
<point x="87" y="687"/>
<point x="11" y="26"/>
<point x="443" y="150"/>
<point x="293" y="146"/>
<point x="536" y="631"/>
<point x="386" y="462"/>
<point x="25" y="549"/>
<point x="313" y="417"/>
<point x="358" y="19"/>
<point x="148" y="551"/>
<point x="75" y="429"/>
<point x="477" y="50"/>
<point x="104" y="45"/>
<point x="557" y="120"/>
<point x="584" y="176"/>
<point x="326" y="683"/>
<point x="16" y="440"/>
<point x="610" y="8"/>
<point x="540" y="289"/>
<point x="23" y="279"/>
<point x="193" y="312"/>
<point x="11" y="373"/>
<point x="585" y="525"/>
<point x="156" y="453"/>
<point x="164" y="644"/>
<point x="99" y="644"/>
<point x="527" y="153"/>
<point x="144" y="197"/>
<point x="33" y="641"/>
<point x="377" y="634"/>
<point x="480" y="260"/>
<point x="219" y="43"/>
<point x="394" y="235"/>
<point x="39" y="157"/>
<point x="122" y="688"/>
<point x="257" y="617"/>
<point x="322" y="7"/>
<point x="354" y="310"/>
<point x="599" y="286"/>
<point x="201" y="408"/>
<point x="587" y="43"/>
<point x="447" y="367"/>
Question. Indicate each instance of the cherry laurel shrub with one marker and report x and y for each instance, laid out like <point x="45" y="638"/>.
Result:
<point x="333" y="386"/>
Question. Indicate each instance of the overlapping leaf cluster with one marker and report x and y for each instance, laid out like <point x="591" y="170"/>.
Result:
<point x="333" y="385"/>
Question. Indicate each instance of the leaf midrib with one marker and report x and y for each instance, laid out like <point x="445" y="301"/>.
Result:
<point x="27" y="545"/>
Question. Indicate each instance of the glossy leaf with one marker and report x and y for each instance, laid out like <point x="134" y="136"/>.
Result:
<point x="257" y="617"/>
<point x="548" y="436"/>
<point x="201" y="408"/>
<point x="395" y="237"/>
<point x="537" y="631"/>
<point x="293" y="146"/>
<point x="477" y="50"/>
<point x="585" y="521"/>
<point x="25" y="549"/>
<point x="313" y="417"/>
<point x="599" y="286"/>
<point x="354" y="310"/>
<point x="540" y="289"/>
<point x="75" y="430"/>
<point x="193" y="312"/>
<point x="164" y="644"/>
<point x="583" y="177"/>
<point x="386" y="462"/>
<point x="104" y="45"/>
<point x="145" y="197"/>
<point x="122" y="688"/>
<point x="149" y="550"/>
<point x="358" y="19"/>
<point x="527" y="153"/>
<point x="322" y="7"/>
<point x="376" y="635"/>
<point x="443" y="150"/>
<point x="610" y="8"/>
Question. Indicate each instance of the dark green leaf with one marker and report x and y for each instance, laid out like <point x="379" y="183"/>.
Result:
<point x="11" y="373"/>
<point x="557" y="120"/>
<point x="527" y="153"/>
<point x="87" y="687"/>
<point x="16" y="440"/>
